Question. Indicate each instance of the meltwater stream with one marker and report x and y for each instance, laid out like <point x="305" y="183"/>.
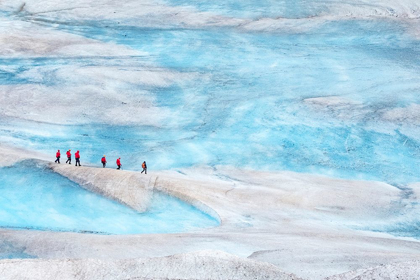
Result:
<point x="34" y="197"/>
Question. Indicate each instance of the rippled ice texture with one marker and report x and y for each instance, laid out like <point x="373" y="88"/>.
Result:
<point x="33" y="197"/>
<point x="215" y="84"/>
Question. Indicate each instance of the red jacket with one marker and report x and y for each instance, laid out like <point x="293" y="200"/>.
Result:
<point x="103" y="159"/>
<point x="58" y="154"/>
<point x="118" y="162"/>
<point x="68" y="154"/>
<point x="76" y="155"/>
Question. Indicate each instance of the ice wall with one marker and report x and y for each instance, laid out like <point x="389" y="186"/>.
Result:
<point x="32" y="196"/>
<point x="127" y="188"/>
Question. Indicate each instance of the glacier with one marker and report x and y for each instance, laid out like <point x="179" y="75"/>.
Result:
<point x="324" y="102"/>
<point x="318" y="88"/>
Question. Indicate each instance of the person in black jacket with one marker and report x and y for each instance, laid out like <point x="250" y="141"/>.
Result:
<point x="144" y="167"/>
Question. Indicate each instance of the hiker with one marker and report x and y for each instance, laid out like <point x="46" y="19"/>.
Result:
<point x="119" y="163"/>
<point x="77" y="157"/>
<point x="58" y="155"/>
<point x="68" y="157"/>
<point x="144" y="166"/>
<point x="103" y="160"/>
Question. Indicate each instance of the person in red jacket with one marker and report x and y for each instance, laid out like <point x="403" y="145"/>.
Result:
<point x="57" y="155"/>
<point x="119" y="163"/>
<point x="68" y="157"/>
<point x="103" y="160"/>
<point x="77" y="157"/>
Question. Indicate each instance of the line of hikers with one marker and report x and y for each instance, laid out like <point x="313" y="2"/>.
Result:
<point x="103" y="160"/>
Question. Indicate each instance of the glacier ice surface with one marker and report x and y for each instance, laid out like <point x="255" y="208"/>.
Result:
<point x="34" y="197"/>
<point x="339" y="99"/>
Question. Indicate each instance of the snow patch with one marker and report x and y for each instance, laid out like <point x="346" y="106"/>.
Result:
<point x="80" y="94"/>
<point x="331" y="101"/>
<point x="23" y="39"/>
<point x="403" y="270"/>
<point x="406" y="115"/>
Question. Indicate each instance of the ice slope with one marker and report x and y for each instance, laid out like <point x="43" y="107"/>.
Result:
<point x="297" y="222"/>
<point x="197" y="265"/>
<point x="34" y="197"/>
<point x="232" y="268"/>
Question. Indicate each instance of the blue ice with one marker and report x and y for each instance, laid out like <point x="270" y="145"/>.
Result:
<point x="251" y="112"/>
<point x="403" y="220"/>
<point x="10" y="250"/>
<point x="255" y="8"/>
<point x="34" y="197"/>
